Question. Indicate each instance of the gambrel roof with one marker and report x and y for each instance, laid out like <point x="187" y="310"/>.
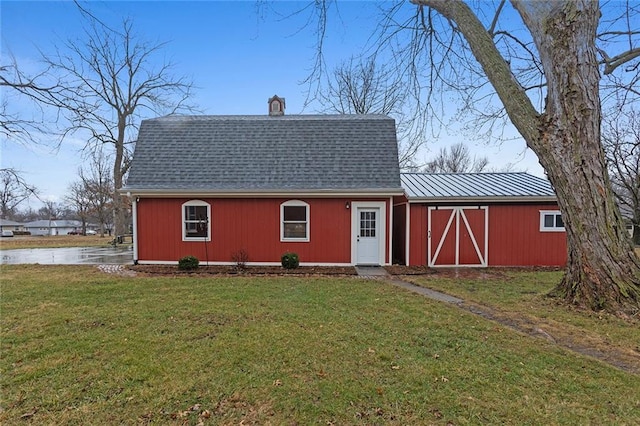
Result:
<point x="296" y="153"/>
<point x="472" y="187"/>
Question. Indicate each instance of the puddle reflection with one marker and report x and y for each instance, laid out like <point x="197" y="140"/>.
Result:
<point x="68" y="256"/>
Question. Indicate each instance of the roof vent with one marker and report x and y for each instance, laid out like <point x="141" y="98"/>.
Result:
<point x="276" y="105"/>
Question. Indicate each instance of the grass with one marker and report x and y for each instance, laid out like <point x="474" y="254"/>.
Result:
<point x="79" y="346"/>
<point x="520" y="297"/>
<point x="54" y="241"/>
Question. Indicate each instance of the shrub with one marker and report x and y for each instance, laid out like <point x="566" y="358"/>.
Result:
<point x="240" y="258"/>
<point x="188" y="263"/>
<point x="290" y="260"/>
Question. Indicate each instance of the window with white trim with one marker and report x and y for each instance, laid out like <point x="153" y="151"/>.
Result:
<point x="551" y="221"/>
<point x="294" y="221"/>
<point x="196" y="221"/>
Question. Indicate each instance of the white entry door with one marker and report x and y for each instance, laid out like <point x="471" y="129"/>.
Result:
<point x="368" y="236"/>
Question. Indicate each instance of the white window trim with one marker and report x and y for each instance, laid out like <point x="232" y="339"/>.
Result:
<point x="182" y="224"/>
<point x="553" y="228"/>
<point x="294" y="203"/>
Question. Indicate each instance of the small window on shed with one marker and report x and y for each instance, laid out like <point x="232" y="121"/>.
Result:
<point x="551" y="221"/>
<point x="294" y="221"/>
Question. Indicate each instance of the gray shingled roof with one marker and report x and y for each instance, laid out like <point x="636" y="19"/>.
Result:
<point x="45" y="223"/>
<point x="266" y="153"/>
<point x="475" y="186"/>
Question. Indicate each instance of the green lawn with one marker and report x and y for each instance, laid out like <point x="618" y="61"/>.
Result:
<point x="83" y="347"/>
<point x="521" y="296"/>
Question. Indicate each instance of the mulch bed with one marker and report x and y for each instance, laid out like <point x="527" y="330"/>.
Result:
<point x="233" y="270"/>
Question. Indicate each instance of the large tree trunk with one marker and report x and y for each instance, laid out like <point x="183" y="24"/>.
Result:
<point x="602" y="270"/>
<point x="119" y="214"/>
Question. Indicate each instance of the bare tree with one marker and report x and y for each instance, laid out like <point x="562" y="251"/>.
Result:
<point x="36" y="88"/>
<point x="78" y="199"/>
<point x="13" y="191"/>
<point x="92" y="194"/>
<point x="456" y="159"/>
<point x="105" y="83"/>
<point x="538" y="66"/>
<point x="99" y="186"/>
<point x="621" y="140"/>
<point x="51" y="210"/>
<point x="365" y="87"/>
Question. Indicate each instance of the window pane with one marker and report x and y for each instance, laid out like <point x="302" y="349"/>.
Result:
<point x="196" y="213"/>
<point x="295" y="230"/>
<point x="196" y="229"/>
<point x="548" y="221"/>
<point x="559" y="221"/>
<point x="367" y="224"/>
<point x="295" y="213"/>
<point x="196" y="222"/>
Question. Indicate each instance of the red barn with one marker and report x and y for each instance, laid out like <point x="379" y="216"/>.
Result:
<point x="321" y="186"/>
<point x="478" y="219"/>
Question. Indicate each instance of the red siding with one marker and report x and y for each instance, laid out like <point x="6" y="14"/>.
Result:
<point x="249" y="224"/>
<point x="418" y="234"/>
<point x="476" y="222"/>
<point x="468" y="224"/>
<point x="514" y="237"/>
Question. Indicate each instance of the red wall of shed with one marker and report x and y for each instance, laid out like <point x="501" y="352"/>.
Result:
<point x="418" y="234"/>
<point x="249" y="224"/>
<point x="514" y="236"/>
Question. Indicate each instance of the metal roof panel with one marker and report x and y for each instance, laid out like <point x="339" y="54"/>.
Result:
<point x="474" y="185"/>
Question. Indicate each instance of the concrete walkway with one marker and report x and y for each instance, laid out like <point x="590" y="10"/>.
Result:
<point x="377" y="272"/>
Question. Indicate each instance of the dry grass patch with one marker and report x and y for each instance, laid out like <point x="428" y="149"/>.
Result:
<point x="53" y="241"/>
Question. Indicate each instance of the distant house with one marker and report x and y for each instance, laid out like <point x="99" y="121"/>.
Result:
<point x="627" y="217"/>
<point x="52" y="227"/>
<point x="10" y="225"/>
<point x="481" y="219"/>
<point x="211" y="186"/>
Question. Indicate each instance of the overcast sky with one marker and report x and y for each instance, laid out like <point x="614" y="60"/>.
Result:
<point x="237" y="54"/>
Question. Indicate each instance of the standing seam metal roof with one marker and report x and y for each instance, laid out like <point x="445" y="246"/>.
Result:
<point x="474" y="185"/>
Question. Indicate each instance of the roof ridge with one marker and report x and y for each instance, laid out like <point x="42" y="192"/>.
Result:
<point x="204" y="117"/>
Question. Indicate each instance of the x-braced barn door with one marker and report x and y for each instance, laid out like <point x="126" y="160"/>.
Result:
<point x="458" y="236"/>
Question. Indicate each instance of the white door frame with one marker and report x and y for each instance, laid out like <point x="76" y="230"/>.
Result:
<point x="382" y="226"/>
<point x="457" y="215"/>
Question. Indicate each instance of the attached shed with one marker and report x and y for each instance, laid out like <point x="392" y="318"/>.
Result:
<point x="217" y="186"/>
<point x="478" y="220"/>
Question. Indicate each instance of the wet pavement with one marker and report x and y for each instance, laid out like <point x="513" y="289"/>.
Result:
<point x="69" y="256"/>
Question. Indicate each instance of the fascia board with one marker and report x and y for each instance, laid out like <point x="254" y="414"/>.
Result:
<point x="374" y="192"/>
<point x="504" y="199"/>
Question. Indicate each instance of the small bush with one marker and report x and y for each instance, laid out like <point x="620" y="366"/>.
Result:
<point x="188" y="263"/>
<point x="240" y="258"/>
<point x="290" y="260"/>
